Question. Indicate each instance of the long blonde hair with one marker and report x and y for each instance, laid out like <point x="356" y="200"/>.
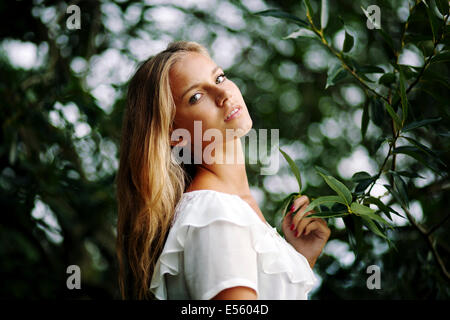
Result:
<point x="149" y="182"/>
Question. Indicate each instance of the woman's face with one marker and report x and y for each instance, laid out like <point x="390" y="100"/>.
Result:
<point x="202" y="92"/>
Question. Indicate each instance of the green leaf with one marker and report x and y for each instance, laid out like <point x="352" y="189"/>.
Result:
<point x="421" y="123"/>
<point x="370" y="69"/>
<point x="410" y="174"/>
<point x="339" y="187"/>
<point x="328" y="214"/>
<point x="348" y="42"/>
<point x="433" y="22"/>
<point x="282" y="15"/>
<point x="394" y="193"/>
<point x="425" y="149"/>
<point x="301" y="32"/>
<point x="401" y="187"/>
<point x="403" y="97"/>
<point x="375" y="145"/>
<point x="353" y="226"/>
<point x="377" y="113"/>
<point x="373" y="227"/>
<point x="393" y="115"/>
<point x="361" y="175"/>
<point x="387" y="210"/>
<point x="442" y="5"/>
<point x="387" y="38"/>
<point x="443" y="56"/>
<point x="421" y="146"/>
<point x="387" y="79"/>
<point x="408" y="70"/>
<point x="419" y="156"/>
<point x="365" y="118"/>
<point x="361" y="209"/>
<point x="362" y="185"/>
<point x="294" y="169"/>
<point x="363" y="180"/>
<point x="335" y="74"/>
<point x="367" y="212"/>
<point x="323" y="200"/>
<point x="322" y="170"/>
<point x="431" y="75"/>
<point x="286" y="202"/>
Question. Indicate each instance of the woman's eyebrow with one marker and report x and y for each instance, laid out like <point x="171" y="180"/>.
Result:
<point x="197" y="84"/>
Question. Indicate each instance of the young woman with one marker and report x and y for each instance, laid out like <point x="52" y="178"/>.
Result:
<point x="194" y="231"/>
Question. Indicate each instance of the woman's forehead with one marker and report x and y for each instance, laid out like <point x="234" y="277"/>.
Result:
<point x="191" y="68"/>
<point x="190" y="64"/>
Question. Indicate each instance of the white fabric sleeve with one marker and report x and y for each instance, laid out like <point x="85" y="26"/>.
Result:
<point x="218" y="256"/>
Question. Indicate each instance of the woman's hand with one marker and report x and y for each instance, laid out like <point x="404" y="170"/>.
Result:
<point x="307" y="235"/>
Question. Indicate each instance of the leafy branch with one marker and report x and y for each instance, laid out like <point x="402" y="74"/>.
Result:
<point x="342" y="203"/>
<point x="345" y="203"/>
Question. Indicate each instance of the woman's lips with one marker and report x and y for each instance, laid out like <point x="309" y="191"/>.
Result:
<point x="235" y="115"/>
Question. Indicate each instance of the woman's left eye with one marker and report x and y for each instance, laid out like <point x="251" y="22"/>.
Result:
<point x="221" y="78"/>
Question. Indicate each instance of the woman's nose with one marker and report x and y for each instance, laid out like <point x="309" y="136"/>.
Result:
<point x="222" y="96"/>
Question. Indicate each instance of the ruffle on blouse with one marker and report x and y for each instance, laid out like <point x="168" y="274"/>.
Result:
<point x="209" y="206"/>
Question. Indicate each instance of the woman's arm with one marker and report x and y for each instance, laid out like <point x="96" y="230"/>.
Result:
<point x="236" y="293"/>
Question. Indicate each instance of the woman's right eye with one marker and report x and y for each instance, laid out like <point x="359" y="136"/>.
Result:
<point x="194" y="98"/>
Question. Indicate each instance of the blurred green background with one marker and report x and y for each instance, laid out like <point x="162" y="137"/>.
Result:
<point x="62" y="103"/>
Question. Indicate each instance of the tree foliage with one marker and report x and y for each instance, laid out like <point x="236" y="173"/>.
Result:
<point x="311" y="69"/>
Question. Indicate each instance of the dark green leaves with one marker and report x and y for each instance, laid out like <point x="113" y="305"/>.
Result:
<point x="370" y="69"/>
<point x="282" y="15"/>
<point x="348" y="42"/>
<point x="386" y="210"/>
<point x="342" y="204"/>
<point x="387" y="79"/>
<point x="442" y="5"/>
<point x="401" y="188"/>
<point x="367" y="213"/>
<point x="377" y="112"/>
<point x="324" y="200"/>
<point x="403" y="97"/>
<point x="338" y="187"/>
<point x="434" y="23"/>
<point x="328" y="214"/>
<point x="420" y="156"/>
<point x="441" y="57"/>
<point x="294" y="169"/>
<point x="365" y="118"/>
<point x="393" y="115"/>
<point x="285" y="203"/>
<point x="335" y="74"/>
<point x="420" y="123"/>
<point x="363" y="180"/>
<point x="373" y="227"/>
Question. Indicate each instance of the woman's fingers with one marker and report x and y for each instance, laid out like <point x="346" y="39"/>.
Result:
<point x="301" y="203"/>
<point x="300" y="223"/>
<point x="318" y="225"/>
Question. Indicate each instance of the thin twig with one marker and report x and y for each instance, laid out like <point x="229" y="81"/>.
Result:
<point x="437" y="225"/>
<point x="344" y="63"/>
<point x="426" y="64"/>
<point x="430" y="241"/>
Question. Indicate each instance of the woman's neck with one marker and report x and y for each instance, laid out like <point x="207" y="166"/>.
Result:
<point x="222" y="174"/>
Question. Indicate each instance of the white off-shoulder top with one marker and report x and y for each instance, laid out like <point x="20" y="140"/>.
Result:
<point x="217" y="241"/>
